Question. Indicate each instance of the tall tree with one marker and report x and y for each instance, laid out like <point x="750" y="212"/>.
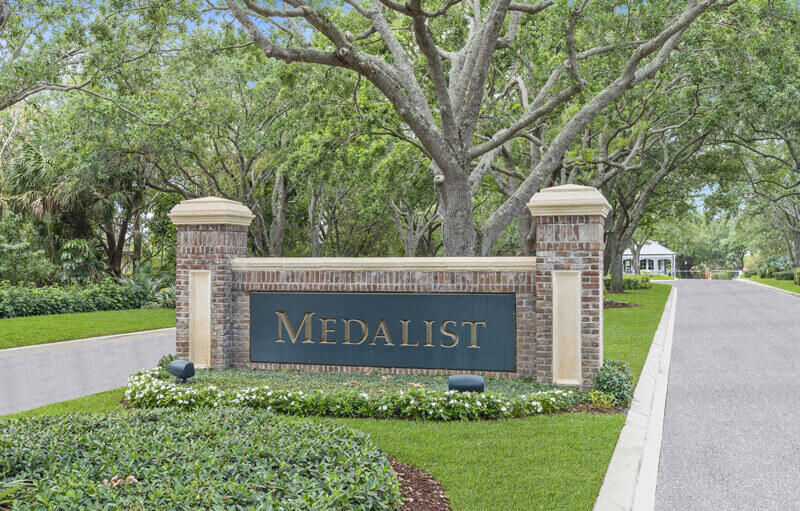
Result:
<point x="441" y="65"/>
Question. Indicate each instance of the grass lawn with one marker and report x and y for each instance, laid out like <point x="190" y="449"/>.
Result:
<point x="661" y="277"/>
<point x="628" y="332"/>
<point x="787" y="285"/>
<point x="30" y="330"/>
<point x="552" y="462"/>
<point x="100" y="402"/>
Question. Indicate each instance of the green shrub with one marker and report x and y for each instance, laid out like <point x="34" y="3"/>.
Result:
<point x="630" y="282"/>
<point x="18" y="301"/>
<point x="601" y="400"/>
<point x="797" y="277"/>
<point x="772" y="264"/>
<point x="152" y="389"/>
<point x="614" y="378"/>
<point x="218" y="459"/>
<point x="723" y="275"/>
<point x="784" y="275"/>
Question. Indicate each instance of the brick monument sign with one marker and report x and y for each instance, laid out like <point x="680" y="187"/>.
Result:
<point x="537" y="317"/>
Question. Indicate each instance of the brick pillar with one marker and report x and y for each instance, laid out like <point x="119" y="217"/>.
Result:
<point x="569" y="223"/>
<point x="211" y="232"/>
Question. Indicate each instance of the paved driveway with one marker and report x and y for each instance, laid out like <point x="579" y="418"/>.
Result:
<point x="731" y="435"/>
<point x="39" y="375"/>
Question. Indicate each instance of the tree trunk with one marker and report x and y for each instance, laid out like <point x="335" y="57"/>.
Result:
<point x="614" y="262"/>
<point x="279" y="203"/>
<point x="137" y="244"/>
<point x="796" y="242"/>
<point x="455" y="199"/>
<point x="527" y="233"/>
<point x="410" y="244"/>
<point x="636" y="253"/>
<point x="313" y="221"/>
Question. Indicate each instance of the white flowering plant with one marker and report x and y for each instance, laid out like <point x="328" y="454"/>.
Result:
<point x="149" y="389"/>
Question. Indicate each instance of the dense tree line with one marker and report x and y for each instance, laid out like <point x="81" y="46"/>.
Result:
<point x="385" y="128"/>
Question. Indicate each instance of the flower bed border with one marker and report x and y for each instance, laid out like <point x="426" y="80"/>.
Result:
<point x="152" y="389"/>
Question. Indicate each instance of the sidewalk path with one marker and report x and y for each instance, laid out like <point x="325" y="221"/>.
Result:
<point x="48" y="373"/>
<point x="731" y="438"/>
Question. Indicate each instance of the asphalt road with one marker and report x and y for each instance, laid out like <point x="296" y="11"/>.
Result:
<point x="39" y="375"/>
<point x="731" y="437"/>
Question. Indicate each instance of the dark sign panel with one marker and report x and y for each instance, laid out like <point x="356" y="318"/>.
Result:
<point x="432" y="331"/>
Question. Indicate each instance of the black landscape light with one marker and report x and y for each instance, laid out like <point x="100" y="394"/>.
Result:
<point x="181" y="369"/>
<point x="466" y="383"/>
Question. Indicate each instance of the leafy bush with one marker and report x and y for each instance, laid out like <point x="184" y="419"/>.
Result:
<point x="768" y="266"/>
<point x="784" y="275"/>
<point x="163" y="299"/>
<point x="151" y="389"/>
<point x="614" y="378"/>
<point x="723" y="275"/>
<point x="630" y="282"/>
<point x="797" y="277"/>
<point x="167" y="459"/>
<point x="163" y="365"/>
<point x="18" y="301"/>
<point x="19" y="261"/>
<point x="79" y="261"/>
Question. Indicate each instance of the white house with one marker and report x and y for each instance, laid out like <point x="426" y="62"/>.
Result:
<point x="653" y="258"/>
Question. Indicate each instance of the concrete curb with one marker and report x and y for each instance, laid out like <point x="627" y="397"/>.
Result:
<point x="784" y="291"/>
<point x="630" y="481"/>
<point x="53" y="346"/>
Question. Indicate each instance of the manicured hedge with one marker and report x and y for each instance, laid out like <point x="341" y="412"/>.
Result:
<point x="153" y="389"/>
<point x="18" y="301"/>
<point x="797" y="277"/>
<point x="630" y="282"/>
<point x="170" y="459"/>
<point x="723" y="275"/>
<point x="784" y="275"/>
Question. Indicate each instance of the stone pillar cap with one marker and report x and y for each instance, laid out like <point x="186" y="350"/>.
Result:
<point x="567" y="200"/>
<point x="211" y="210"/>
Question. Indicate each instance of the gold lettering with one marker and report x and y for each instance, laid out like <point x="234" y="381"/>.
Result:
<point x="473" y="330"/>
<point x="385" y="335"/>
<point x="326" y="330"/>
<point x="294" y="334"/>
<point x="448" y="333"/>
<point x="405" y="342"/>
<point x="429" y="332"/>
<point x="364" y="331"/>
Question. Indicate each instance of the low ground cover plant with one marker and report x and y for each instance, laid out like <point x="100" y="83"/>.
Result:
<point x="168" y="459"/>
<point x="630" y="282"/>
<point x="371" y="383"/>
<point x="154" y="389"/>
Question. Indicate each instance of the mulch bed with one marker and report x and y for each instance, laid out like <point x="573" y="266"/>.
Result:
<point x="421" y="492"/>
<point x="613" y="304"/>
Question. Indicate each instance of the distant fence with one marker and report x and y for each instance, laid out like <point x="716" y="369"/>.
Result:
<point x="708" y="274"/>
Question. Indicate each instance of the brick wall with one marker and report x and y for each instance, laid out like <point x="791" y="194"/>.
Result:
<point x="569" y="219"/>
<point x="208" y="247"/>
<point x="518" y="282"/>
<point x="570" y="243"/>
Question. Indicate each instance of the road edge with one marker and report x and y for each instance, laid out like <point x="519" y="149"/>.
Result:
<point x="88" y="341"/>
<point x="767" y="286"/>
<point x="632" y="475"/>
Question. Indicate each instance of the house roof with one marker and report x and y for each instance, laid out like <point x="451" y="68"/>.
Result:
<point x="652" y="248"/>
